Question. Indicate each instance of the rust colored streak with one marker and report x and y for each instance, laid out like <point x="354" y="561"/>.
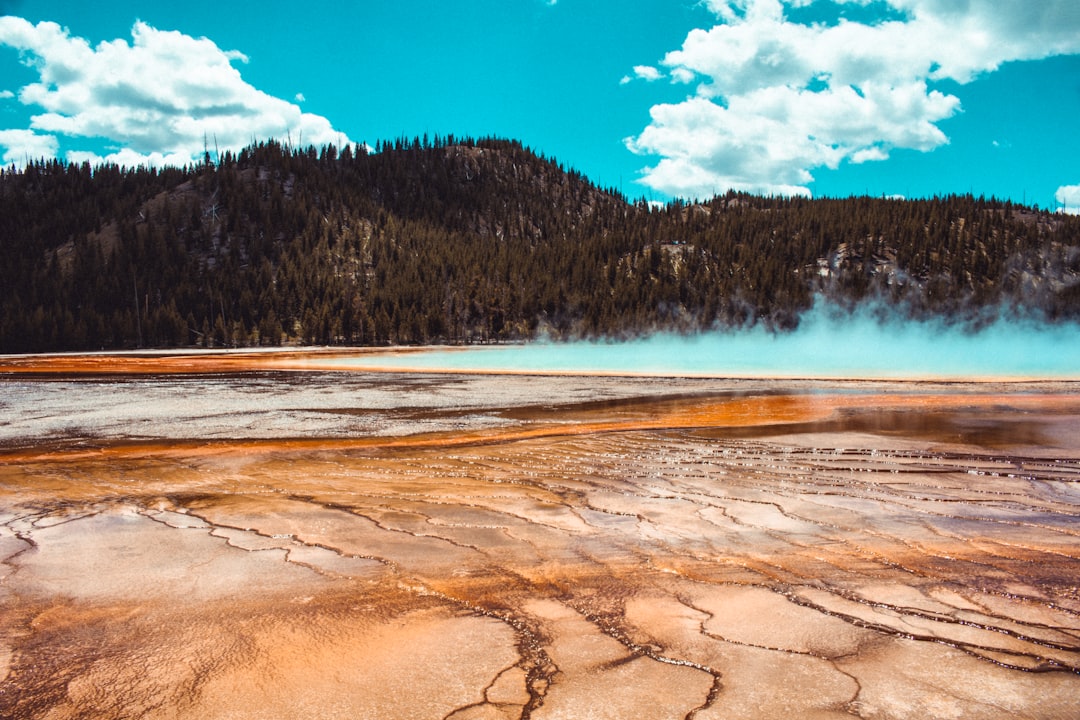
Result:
<point x="777" y="410"/>
<point x="175" y="363"/>
<point x="326" y="359"/>
<point x="740" y="414"/>
<point x="757" y="411"/>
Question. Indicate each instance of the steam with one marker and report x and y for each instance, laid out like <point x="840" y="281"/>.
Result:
<point x="828" y="344"/>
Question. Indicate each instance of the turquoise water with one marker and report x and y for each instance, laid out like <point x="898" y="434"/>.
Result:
<point x="826" y="345"/>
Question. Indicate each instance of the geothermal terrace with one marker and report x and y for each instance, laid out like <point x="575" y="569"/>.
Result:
<point x="268" y="536"/>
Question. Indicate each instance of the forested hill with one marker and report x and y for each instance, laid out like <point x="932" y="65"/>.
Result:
<point x="460" y="241"/>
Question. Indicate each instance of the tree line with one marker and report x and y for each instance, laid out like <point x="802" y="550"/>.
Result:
<point x="461" y="240"/>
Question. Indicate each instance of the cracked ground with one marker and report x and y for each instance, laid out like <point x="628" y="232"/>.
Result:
<point x="268" y="544"/>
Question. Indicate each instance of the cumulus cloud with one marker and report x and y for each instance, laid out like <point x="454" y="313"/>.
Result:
<point x="1068" y="196"/>
<point x="6" y="94"/>
<point x="775" y="98"/>
<point x="156" y="99"/>
<point x="647" y="73"/>
<point x="21" y="145"/>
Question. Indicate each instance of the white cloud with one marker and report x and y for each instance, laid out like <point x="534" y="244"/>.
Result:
<point x="1068" y="196"/>
<point x="156" y="99"/>
<point x="647" y="73"/>
<point x="787" y="98"/>
<point x="22" y="145"/>
<point x="6" y="94"/>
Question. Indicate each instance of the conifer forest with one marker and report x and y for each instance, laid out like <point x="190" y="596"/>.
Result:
<point x="458" y="241"/>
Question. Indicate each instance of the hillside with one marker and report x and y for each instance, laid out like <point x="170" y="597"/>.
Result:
<point x="464" y="241"/>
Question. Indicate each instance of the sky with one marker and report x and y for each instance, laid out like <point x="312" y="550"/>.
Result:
<point x="656" y="98"/>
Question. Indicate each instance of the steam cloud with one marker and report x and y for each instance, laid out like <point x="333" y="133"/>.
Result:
<point x="828" y="344"/>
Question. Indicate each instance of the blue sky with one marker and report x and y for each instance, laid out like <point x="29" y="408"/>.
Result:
<point x="659" y="98"/>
